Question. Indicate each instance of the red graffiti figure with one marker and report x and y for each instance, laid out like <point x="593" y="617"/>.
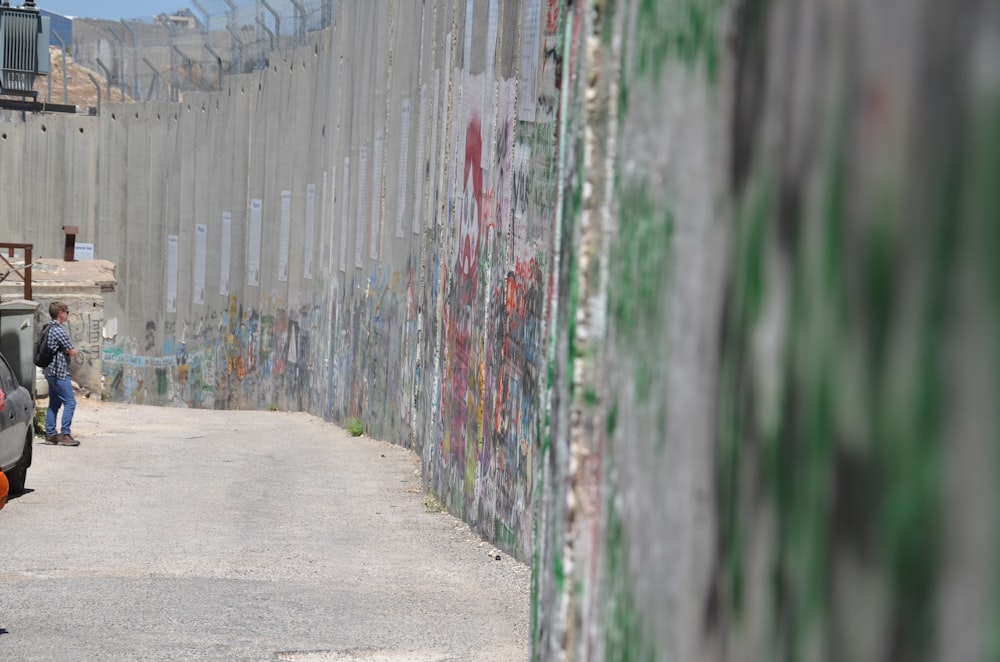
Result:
<point x="464" y="363"/>
<point x="470" y="229"/>
<point x="552" y="17"/>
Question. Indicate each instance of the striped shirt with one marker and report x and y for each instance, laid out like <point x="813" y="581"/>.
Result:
<point x="59" y="343"/>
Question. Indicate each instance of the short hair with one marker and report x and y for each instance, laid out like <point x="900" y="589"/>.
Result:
<point x="57" y="307"/>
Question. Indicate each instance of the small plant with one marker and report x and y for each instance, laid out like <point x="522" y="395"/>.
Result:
<point x="273" y="407"/>
<point x="432" y="504"/>
<point x="39" y="423"/>
<point x="355" y="426"/>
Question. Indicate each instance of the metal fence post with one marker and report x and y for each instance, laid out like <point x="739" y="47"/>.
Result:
<point x="136" y="89"/>
<point x="107" y="76"/>
<point x="121" y="63"/>
<point x="156" y="79"/>
<point x="97" y="84"/>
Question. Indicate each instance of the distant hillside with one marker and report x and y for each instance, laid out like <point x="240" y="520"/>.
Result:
<point x="79" y="88"/>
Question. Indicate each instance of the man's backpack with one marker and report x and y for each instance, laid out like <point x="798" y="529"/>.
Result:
<point x="43" y="353"/>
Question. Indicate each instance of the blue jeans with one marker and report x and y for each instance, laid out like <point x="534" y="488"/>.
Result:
<point x="60" y="395"/>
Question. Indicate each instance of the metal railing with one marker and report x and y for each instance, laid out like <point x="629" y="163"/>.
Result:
<point x="18" y="269"/>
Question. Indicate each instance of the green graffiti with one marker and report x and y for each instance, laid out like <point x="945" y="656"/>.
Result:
<point x="980" y="200"/>
<point x="536" y="602"/>
<point x="623" y="96"/>
<point x="626" y="637"/>
<point x="558" y="571"/>
<point x="880" y="265"/>
<point x="471" y="460"/>
<point x="752" y="252"/>
<point x="504" y="536"/>
<point x="728" y="462"/>
<point x="162" y="383"/>
<point x="836" y="475"/>
<point x="685" y="31"/>
<point x="607" y="22"/>
<point x="642" y="260"/>
<point x="986" y="138"/>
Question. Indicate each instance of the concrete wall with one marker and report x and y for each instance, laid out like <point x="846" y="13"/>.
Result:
<point x="362" y="228"/>
<point x="776" y="344"/>
<point x="688" y="302"/>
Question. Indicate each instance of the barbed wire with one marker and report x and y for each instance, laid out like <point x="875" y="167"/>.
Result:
<point x="158" y="58"/>
<point x="217" y="14"/>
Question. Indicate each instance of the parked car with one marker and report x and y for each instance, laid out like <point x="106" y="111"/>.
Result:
<point x="17" y="410"/>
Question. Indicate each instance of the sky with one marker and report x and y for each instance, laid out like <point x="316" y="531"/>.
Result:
<point x="110" y="9"/>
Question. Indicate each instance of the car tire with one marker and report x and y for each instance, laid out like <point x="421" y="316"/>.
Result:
<point x="19" y="473"/>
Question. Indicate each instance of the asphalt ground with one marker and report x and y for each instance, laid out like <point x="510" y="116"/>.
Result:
<point x="178" y="534"/>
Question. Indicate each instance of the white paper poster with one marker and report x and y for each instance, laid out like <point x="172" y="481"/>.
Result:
<point x="359" y="238"/>
<point x="200" y="251"/>
<point x="435" y="176"/>
<point x="173" y="255"/>
<point x="376" y="235"/>
<point x="224" y="253"/>
<point x="444" y="191"/>
<point x="307" y="261"/>
<point x="325" y="224"/>
<point x="344" y="212"/>
<point x="419" y="174"/>
<point x="284" y="240"/>
<point x="531" y="35"/>
<point x="491" y="37"/>
<point x="253" y="242"/>
<point x="404" y="155"/>
<point x="329" y="224"/>
<point x="467" y="53"/>
<point x="293" y="346"/>
<point x="503" y="173"/>
<point x="83" y="251"/>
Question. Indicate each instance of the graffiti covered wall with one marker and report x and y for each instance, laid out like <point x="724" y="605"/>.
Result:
<point x="775" y="378"/>
<point x="360" y="229"/>
<point x="690" y="303"/>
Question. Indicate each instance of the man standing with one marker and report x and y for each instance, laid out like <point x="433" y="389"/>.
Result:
<point x="57" y="375"/>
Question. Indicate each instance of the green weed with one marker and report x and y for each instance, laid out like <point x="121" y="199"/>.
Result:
<point x="355" y="426"/>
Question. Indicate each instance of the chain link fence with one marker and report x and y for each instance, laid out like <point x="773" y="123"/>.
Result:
<point x="158" y="58"/>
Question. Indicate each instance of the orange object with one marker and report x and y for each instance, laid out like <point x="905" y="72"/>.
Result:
<point x="4" y="486"/>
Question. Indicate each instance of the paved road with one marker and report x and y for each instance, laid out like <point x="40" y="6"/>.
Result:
<point x="201" y="535"/>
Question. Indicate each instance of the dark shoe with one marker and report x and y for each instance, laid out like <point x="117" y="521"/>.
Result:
<point x="67" y="440"/>
<point x="52" y="439"/>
